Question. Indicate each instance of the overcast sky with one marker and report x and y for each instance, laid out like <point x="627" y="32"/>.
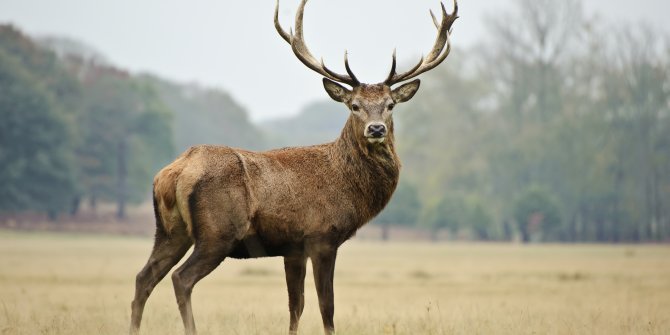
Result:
<point x="233" y="44"/>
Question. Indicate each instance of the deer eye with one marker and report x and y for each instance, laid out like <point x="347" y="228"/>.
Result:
<point x="355" y="108"/>
<point x="390" y="107"/>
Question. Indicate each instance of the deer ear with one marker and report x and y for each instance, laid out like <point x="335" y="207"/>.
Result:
<point x="406" y="91"/>
<point x="336" y="91"/>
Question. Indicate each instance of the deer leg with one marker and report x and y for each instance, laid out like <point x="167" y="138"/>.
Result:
<point x="323" y="264"/>
<point x="295" y="267"/>
<point x="205" y="258"/>
<point x="166" y="253"/>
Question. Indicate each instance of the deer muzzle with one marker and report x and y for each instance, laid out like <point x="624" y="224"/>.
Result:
<point x="375" y="132"/>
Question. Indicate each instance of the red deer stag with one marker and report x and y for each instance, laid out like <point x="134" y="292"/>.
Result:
<point x="297" y="203"/>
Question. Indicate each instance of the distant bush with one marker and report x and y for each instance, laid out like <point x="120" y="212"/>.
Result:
<point x="461" y="214"/>
<point x="403" y="209"/>
<point x="537" y="214"/>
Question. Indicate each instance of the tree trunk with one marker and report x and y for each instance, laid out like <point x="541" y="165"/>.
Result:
<point x="658" y="203"/>
<point x="525" y="237"/>
<point x="75" y="205"/>
<point x="525" y="233"/>
<point x="122" y="169"/>
<point x="385" y="231"/>
<point x="93" y="203"/>
<point x="572" y="228"/>
<point x="600" y="230"/>
<point x="52" y="215"/>
<point x="507" y="231"/>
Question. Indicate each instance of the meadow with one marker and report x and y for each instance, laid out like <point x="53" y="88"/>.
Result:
<point x="82" y="284"/>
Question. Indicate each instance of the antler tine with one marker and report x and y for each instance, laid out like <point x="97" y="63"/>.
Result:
<point x="392" y="73"/>
<point x="393" y="76"/>
<point x="439" y="52"/>
<point x="280" y="30"/>
<point x="437" y="25"/>
<point x="335" y="76"/>
<point x="442" y="36"/>
<point x="346" y="66"/>
<point x="297" y="42"/>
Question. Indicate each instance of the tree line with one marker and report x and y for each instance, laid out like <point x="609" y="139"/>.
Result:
<point x="74" y="128"/>
<point x="555" y="128"/>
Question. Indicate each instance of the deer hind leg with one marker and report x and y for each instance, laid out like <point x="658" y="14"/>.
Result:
<point x="166" y="253"/>
<point x="295" y="267"/>
<point x="204" y="259"/>
<point x="219" y="224"/>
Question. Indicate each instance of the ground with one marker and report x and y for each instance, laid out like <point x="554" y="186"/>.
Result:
<point x="56" y="283"/>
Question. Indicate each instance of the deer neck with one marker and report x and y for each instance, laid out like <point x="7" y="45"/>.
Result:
<point x="372" y="169"/>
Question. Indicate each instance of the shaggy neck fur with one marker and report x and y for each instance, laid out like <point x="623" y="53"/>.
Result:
<point x="376" y="168"/>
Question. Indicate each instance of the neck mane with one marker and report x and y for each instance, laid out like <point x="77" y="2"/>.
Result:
<point x="372" y="169"/>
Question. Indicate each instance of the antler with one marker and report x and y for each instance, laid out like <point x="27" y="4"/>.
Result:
<point x="438" y="54"/>
<point x="297" y="42"/>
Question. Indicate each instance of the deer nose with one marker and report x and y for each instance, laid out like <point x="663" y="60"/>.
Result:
<point x="377" y="130"/>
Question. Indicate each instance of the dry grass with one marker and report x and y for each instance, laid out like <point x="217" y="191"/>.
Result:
<point x="69" y="284"/>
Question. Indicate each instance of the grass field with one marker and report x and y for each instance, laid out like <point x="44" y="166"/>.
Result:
<point x="78" y="284"/>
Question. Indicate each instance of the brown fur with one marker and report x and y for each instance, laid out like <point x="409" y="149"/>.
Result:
<point x="286" y="194"/>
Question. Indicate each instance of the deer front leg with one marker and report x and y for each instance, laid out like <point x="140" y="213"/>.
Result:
<point x="295" y="267"/>
<point x="323" y="264"/>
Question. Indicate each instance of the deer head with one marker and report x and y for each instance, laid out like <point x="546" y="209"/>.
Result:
<point x="371" y="105"/>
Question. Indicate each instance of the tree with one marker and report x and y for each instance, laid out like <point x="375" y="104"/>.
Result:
<point x="537" y="211"/>
<point x="403" y="209"/>
<point x="127" y="134"/>
<point x="637" y="97"/>
<point x="441" y="137"/>
<point x="449" y="213"/>
<point x="36" y="166"/>
<point x="480" y="220"/>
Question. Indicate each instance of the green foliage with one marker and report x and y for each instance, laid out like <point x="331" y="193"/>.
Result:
<point x="536" y="210"/>
<point x="70" y="118"/>
<point x="127" y="135"/>
<point x="459" y="214"/>
<point x="35" y="163"/>
<point x="404" y="207"/>
<point x="440" y="132"/>
<point x="480" y="221"/>
<point x="554" y="102"/>
<point x="449" y="213"/>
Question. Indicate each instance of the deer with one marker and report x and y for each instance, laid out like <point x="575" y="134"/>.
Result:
<point x="297" y="203"/>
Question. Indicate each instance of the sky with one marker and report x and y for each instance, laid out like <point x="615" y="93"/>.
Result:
<point x="233" y="45"/>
